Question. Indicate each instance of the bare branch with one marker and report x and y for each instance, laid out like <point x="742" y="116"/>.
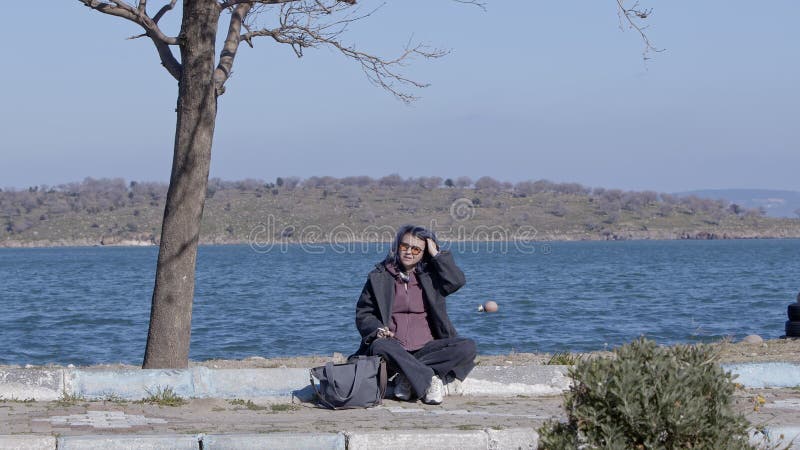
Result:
<point x="232" y="40"/>
<point x="632" y="16"/>
<point x="164" y="9"/>
<point x="142" y="7"/>
<point x="110" y="9"/>
<point x="125" y="6"/>
<point x="477" y="3"/>
<point x="168" y="60"/>
<point x="155" y="32"/>
<point x="121" y="9"/>
<point x="137" y="36"/>
<point x="162" y="42"/>
<point x="230" y="3"/>
<point x="301" y="26"/>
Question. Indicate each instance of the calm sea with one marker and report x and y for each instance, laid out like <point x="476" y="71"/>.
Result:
<point x="91" y="305"/>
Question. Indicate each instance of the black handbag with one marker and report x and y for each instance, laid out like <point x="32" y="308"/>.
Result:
<point x="359" y="383"/>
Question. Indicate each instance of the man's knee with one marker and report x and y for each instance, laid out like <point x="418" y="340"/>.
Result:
<point x="469" y="348"/>
<point x="383" y="346"/>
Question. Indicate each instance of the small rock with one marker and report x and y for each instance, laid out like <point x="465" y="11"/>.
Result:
<point x="71" y="366"/>
<point x="753" y="339"/>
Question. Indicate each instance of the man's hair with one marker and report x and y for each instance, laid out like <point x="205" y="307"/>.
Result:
<point x="419" y="233"/>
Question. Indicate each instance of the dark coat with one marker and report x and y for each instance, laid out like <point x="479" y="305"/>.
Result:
<point x="374" y="308"/>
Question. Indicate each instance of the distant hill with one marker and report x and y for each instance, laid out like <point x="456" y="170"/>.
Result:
<point x="775" y="203"/>
<point x="352" y="209"/>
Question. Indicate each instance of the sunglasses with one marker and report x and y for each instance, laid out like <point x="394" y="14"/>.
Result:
<point x="403" y="247"/>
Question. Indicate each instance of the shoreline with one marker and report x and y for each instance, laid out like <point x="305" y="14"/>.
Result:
<point x="770" y="350"/>
<point x="702" y="236"/>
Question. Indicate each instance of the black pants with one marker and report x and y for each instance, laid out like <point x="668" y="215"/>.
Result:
<point x="447" y="358"/>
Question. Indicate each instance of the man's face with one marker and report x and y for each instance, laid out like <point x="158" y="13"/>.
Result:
<point x="409" y="245"/>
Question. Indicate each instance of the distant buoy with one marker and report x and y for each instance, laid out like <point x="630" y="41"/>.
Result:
<point x="488" y="306"/>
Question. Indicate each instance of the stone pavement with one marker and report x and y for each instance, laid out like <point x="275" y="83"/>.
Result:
<point x="503" y="407"/>
<point x="457" y="422"/>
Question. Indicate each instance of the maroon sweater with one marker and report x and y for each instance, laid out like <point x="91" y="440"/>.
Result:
<point x="409" y="317"/>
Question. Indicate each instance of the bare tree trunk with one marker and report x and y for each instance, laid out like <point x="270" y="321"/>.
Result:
<point x="171" y="313"/>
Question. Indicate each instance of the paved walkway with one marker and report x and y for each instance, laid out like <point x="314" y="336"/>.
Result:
<point x="484" y="419"/>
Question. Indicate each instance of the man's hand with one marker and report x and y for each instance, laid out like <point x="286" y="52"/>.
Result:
<point x="384" y="333"/>
<point x="433" y="249"/>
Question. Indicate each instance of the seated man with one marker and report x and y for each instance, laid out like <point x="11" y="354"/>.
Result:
<point x="402" y="317"/>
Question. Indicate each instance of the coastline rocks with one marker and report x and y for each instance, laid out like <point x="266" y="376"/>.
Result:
<point x="703" y="235"/>
<point x="126" y="242"/>
<point x="753" y="339"/>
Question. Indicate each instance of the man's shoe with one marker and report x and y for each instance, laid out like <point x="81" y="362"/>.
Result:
<point x="402" y="388"/>
<point x="453" y="387"/>
<point x="435" y="393"/>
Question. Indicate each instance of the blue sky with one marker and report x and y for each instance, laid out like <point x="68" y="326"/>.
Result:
<point x="531" y="90"/>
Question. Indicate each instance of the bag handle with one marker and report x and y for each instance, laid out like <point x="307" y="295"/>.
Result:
<point x="316" y="391"/>
<point x="356" y="381"/>
<point x="382" y="378"/>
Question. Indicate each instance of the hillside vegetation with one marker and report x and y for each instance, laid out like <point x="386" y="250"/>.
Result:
<point x="324" y="209"/>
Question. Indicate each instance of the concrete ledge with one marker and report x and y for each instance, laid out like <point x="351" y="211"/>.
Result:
<point x="415" y="440"/>
<point x="38" y="384"/>
<point x="765" y="375"/>
<point x="248" y="383"/>
<point x="782" y="437"/>
<point x="513" y="439"/>
<point x="334" y="441"/>
<point x="517" y="380"/>
<point x="197" y="382"/>
<point x="27" y="442"/>
<point x="130" y="442"/>
<point x="127" y="384"/>
<point x="282" y="383"/>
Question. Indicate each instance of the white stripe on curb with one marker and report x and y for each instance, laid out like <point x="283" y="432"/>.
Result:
<point x="40" y="384"/>
<point x="27" y="442"/>
<point x="311" y="441"/>
<point x="765" y="375"/>
<point x="415" y="440"/>
<point x="130" y="442"/>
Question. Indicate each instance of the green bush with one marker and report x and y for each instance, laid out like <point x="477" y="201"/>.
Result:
<point x="649" y="397"/>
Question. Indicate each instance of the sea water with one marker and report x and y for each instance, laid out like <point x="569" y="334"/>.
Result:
<point x="91" y="305"/>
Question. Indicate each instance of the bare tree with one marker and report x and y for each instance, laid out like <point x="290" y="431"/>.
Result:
<point x="202" y="75"/>
<point x="391" y="181"/>
<point x="429" y="182"/>
<point x="463" y="182"/>
<point x="290" y="183"/>
<point x="540" y="186"/>
<point x="361" y="181"/>
<point x="487" y="183"/>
